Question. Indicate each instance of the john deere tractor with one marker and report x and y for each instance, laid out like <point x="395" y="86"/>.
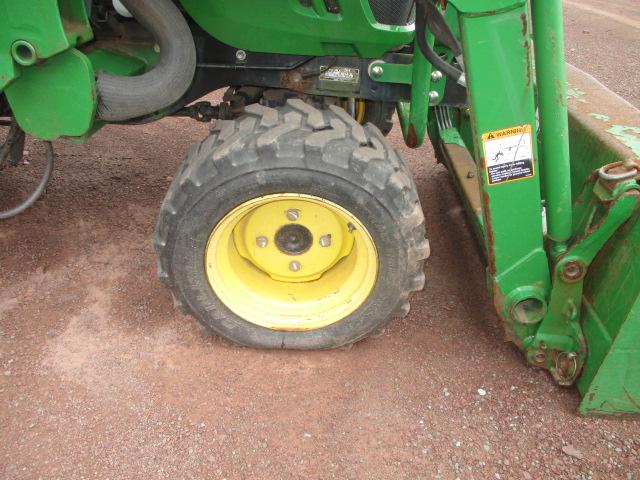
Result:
<point x="295" y="224"/>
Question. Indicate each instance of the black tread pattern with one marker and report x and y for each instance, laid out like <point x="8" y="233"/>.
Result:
<point x="305" y="136"/>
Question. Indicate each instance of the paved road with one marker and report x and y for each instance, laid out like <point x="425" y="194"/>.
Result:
<point x="101" y="378"/>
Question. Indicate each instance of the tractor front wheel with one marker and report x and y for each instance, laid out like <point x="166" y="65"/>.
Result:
<point x="292" y="228"/>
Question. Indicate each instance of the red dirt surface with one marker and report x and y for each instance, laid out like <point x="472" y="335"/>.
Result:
<point x="101" y="378"/>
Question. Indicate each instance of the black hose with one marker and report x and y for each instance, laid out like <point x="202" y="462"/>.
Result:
<point x="440" y="28"/>
<point x="435" y="59"/>
<point x="37" y="192"/>
<point x="122" y="98"/>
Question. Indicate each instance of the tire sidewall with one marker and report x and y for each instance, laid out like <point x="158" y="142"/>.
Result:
<point x="372" y="209"/>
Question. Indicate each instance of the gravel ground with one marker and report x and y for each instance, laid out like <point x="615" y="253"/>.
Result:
<point x="101" y="378"/>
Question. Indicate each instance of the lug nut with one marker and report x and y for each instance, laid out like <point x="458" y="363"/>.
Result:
<point x="295" y="266"/>
<point x="293" y="214"/>
<point x="436" y="76"/>
<point x="434" y="96"/>
<point x="377" y="71"/>
<point x="262" y="241"/>
<point x="325" y="240"/>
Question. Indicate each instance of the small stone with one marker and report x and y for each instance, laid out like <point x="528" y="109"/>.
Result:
<point x="572" y="452"/>
<point x="482" y="392"/>
<point x="527" y="476"/>
<point x="7" y="373"/>
<point x="306" y="435"/>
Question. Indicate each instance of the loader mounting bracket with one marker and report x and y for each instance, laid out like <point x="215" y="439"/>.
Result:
<point x="610" y="198"/>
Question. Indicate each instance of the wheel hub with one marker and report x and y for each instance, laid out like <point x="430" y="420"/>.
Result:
<point x="291" y="262"/>
<point x="293" y="239"/>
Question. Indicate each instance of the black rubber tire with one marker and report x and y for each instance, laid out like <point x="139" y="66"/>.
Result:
<point x="294" y="148"/>
<point x="380" y="114"/>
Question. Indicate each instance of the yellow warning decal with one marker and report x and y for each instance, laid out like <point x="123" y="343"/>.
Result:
<point x="508" y="154"/>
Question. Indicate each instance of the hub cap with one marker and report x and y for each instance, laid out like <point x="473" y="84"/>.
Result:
<point x="287" y="271"/>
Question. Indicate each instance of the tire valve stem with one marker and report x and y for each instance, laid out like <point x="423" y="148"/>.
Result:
<point x="262" y="241"/>
<point x="351" y="227"/>
<point x="325" y="240"/>
<point x="295" y="266"/>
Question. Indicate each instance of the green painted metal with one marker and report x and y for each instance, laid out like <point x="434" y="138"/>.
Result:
<point x="501" y="90"/>
<point x="554" y="130"/>
<point x="559" y="339"/>
<point x="570" y="322"/>
<point x="412" y="115"/>
<point x="56" y="97"/>
<point x="610" y="381"/>
<point x="71" y="110"/>
<point x="286" y="26"/>
<point x="50" y="84"/>
<point x="415" y="128"/>
<point x="391" y="72"/>
<point x="49" y="27"/>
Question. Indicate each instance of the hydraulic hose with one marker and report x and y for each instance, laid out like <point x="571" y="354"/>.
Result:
<point x="35" y="195"/>
<point x="123" y="98"/>
<point x="444" y="35"/>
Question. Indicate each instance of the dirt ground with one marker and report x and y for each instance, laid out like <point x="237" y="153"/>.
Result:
<point x="101" y="378"/>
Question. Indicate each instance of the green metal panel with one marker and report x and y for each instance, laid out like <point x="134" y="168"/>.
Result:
<point x="610" y="382"/>
<point x="48" y="26"/>
<point x="499" y="71"/>
<point x="286" y="26"/>
<point x="57" y="97"/>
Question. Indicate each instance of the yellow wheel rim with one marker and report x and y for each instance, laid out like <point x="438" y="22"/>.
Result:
<point x="291" y="262"/>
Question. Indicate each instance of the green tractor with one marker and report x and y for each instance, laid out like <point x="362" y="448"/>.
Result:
<point x="295" y="224"/>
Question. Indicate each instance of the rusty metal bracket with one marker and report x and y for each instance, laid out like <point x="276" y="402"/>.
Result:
<point x="559" y="344"/>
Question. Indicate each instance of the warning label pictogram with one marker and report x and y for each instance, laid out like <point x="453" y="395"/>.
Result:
<point x="508" y="154"/>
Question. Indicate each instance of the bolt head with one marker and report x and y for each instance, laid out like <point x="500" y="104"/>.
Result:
<point x="295" y="266"/>
<point x="262" y="241"/>
<point x="325" y="240"/>
<point x="539" y="356"/>
<point x="377" y="71"/>
<point x="572" y="271"/>
<point x="434" y="96"/>
<point x="293" y="214"/>
<point x="241" y="55"/>
<point x="436" y="76"/>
